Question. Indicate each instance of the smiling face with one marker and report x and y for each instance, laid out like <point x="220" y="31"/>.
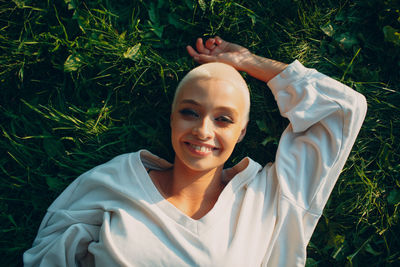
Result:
<point x="207" y="120"/>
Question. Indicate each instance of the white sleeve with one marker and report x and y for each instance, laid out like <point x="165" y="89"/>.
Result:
<point x="325" y="117"/>
<point x="66" y="231"/>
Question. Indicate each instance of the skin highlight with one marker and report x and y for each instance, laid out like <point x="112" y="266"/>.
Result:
<point x="220" y="71"/>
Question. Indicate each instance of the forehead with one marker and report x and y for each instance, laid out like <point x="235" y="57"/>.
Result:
<point x="212" y="92"/>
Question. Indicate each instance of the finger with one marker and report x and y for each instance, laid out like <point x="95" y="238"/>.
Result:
<point x="210" y="43"/>
<point x="218" y="40"/>
<point x="200" y="47"/>
<point x="222" y="44"/>
<point x="191" y="51"/>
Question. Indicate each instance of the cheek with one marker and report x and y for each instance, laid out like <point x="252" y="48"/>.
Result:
<point x="230" y="138"/>
<point x="179" y="127"/>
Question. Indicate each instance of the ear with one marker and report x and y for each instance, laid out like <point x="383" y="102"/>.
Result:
<point x="242" y="134"/>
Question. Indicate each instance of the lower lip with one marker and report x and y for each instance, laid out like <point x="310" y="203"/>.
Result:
<point x="196" y="152"/>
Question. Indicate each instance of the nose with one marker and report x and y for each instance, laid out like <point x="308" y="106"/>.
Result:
<point x="204" y="129"/>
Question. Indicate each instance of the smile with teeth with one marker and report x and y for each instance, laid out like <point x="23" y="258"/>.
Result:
<point x="201" y="149"/>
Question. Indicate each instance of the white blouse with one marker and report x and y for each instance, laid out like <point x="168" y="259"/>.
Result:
<point x="113" y="215"/>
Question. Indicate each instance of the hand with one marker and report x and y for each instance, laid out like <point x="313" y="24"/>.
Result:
<point x="218" y="50"/>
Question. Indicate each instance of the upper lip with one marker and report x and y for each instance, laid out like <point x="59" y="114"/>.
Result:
<point x="201" y="144"/>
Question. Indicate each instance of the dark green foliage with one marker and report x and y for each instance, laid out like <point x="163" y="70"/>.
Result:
<point x="84" y="81"/>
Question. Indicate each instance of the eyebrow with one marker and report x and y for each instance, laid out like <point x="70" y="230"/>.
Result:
<point x="190" y="101"/>
<point x="193" y="102"/>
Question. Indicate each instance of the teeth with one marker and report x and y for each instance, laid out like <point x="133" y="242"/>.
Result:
<point x="200" y="148"/>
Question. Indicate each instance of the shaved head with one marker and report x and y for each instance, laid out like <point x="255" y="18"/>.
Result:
<point x="219" y="71"/>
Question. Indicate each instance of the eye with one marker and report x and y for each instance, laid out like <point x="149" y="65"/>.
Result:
<point x="224" y="119"/>
<point x="188" y="113"/>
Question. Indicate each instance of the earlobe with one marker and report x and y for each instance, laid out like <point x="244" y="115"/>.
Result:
<point x="242" y="134"/>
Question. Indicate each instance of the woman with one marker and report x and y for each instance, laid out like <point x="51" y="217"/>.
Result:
<point x="139" y="210"/>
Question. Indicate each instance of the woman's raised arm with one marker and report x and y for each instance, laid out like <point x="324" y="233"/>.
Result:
<point x="217" y="50"/>
<point x="325" y="117"/>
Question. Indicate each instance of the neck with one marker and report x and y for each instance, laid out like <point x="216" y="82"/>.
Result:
<point x="194" y="185"/>
<point x="193" y="192"/>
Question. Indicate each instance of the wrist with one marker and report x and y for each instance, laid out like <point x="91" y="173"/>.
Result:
<point x="262" y="68"/>
<point x="247" y="63"/>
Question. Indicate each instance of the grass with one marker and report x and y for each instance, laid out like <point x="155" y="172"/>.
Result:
<point x="84" y="81"/>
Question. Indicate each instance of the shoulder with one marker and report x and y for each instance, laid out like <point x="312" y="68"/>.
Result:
<point x="244" y="173"/>
<point x="109" y="176"/>
<point x="124" y="170"/>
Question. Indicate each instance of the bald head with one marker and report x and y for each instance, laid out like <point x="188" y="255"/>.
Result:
<point x="219" y="71"/>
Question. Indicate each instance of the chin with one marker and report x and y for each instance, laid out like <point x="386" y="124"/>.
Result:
<point x="199" y="164"/>
<point x="202" y="166"/>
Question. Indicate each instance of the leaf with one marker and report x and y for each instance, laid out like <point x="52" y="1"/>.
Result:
<point x="311" y="262"/>
<point x="21" y="74"/>
<point x="54" y="183"/>
<point x="157" y="29"/>
<point x="253" y="18"/>
<point x="160" y="3"/>
<point x="19" y="3"/>
<point x="338" y="240"/>
<point x="202" y="5"/>
<point x="328" y="29"/>
<point x="372" y="251"/>
<point x="173" y="19"/>
<point x="262" y="126"/>
<point x="346" y="40"/>
<point x="189" y="4"/>
<point x="341" y="16"/>
<point x="72" y="4"/>
<point x="72" y="63"/>
<point x="132" y="52"/>
<point x="10" y="217"/>
<point x="53" y="147"/>
<point x="394" y="197"/>
<point x="269" y="139"/>
<point x="250" y="13"/>
<point x="122" y="36"/>
<point x="153" y="14"/>
<point x="391" y="34"/>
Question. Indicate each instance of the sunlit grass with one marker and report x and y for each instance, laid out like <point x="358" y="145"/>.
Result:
<point x="84" y="81"/>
